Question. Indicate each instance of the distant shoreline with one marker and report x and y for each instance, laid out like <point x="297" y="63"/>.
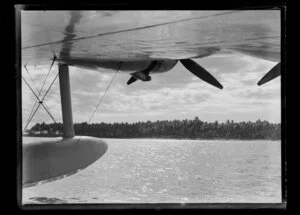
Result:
<point x="175" y="129"/>
<point x="171" y="138"/>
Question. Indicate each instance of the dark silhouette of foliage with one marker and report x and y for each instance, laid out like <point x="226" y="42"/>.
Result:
<point x="192" y="129"/>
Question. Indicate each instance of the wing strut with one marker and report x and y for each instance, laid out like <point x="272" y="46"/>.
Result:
<point x="66" y="102"/>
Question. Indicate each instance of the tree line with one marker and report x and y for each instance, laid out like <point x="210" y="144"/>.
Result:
<point x="191" y="129"/>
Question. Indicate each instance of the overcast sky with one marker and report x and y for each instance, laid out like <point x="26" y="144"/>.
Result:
<point x="176" y="94"/>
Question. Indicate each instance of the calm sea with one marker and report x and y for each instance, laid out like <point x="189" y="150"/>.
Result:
<point x="165" y="170"/>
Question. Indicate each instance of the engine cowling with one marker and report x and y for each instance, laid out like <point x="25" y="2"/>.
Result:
<point x="126" y="66"/>
<point x="163" y="66"/>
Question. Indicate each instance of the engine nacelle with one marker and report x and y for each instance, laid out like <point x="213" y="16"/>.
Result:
<point x="163" y="66"/>
<point x="125" y="66"/>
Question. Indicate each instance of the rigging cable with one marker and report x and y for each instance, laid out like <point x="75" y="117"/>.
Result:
<point x="40" y="101"/>
<point x="105" y="93"/>
<point x="39" y="92"/>
<point x="132" y="29"/>
<point x="54" y="58"/>
<point x="102" y="97"/>
<point x="34" y="105"/>
<point x="36" y="88"/>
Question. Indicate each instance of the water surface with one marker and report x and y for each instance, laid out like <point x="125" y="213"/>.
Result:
<point x="165" y="170"/>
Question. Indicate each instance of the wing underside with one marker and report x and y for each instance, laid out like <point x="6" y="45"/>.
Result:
<point x="91" y="37"/>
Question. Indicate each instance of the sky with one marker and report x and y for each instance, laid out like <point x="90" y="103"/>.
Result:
<point x="176" y="94"/>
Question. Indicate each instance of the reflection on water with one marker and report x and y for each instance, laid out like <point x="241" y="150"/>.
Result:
<point x="155" y="171"/>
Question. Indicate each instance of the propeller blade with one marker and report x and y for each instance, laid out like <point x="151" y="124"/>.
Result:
<point x="131" y="80"/>
<point x="273" y="73"/>
<point x="200" y="72"/>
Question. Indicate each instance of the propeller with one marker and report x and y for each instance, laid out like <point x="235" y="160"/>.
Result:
<point x="131" y="80"/>
<point x="200" y="72"/>
<point x="273" y="73"/>
<point x="192" y="66"/>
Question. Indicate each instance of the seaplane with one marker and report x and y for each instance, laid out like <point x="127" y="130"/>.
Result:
<point x="140" y="43"/>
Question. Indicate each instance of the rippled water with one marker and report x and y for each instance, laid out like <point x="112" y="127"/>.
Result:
<point x="160" y="171"/>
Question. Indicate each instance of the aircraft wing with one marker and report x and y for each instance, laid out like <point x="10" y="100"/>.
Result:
<point x="112" y="36"/>
<point x="148" y="42"/>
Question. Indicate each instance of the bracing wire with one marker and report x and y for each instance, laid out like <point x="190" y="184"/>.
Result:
<point x="104" y="93"/>
<point x="31" y="78"/>
<point x="33" y="107"/>
<point x="36" y="88"/>
<point x="40" y="101"/>
<point x="50" y="86"/>
<point x="49" y="113"/>
<point x="31" y="117"/>
<point x="102" y="97"/>
<point x="131" y="29"/>
<point x="54" y="58"/>
<point x="39" y="92"/>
